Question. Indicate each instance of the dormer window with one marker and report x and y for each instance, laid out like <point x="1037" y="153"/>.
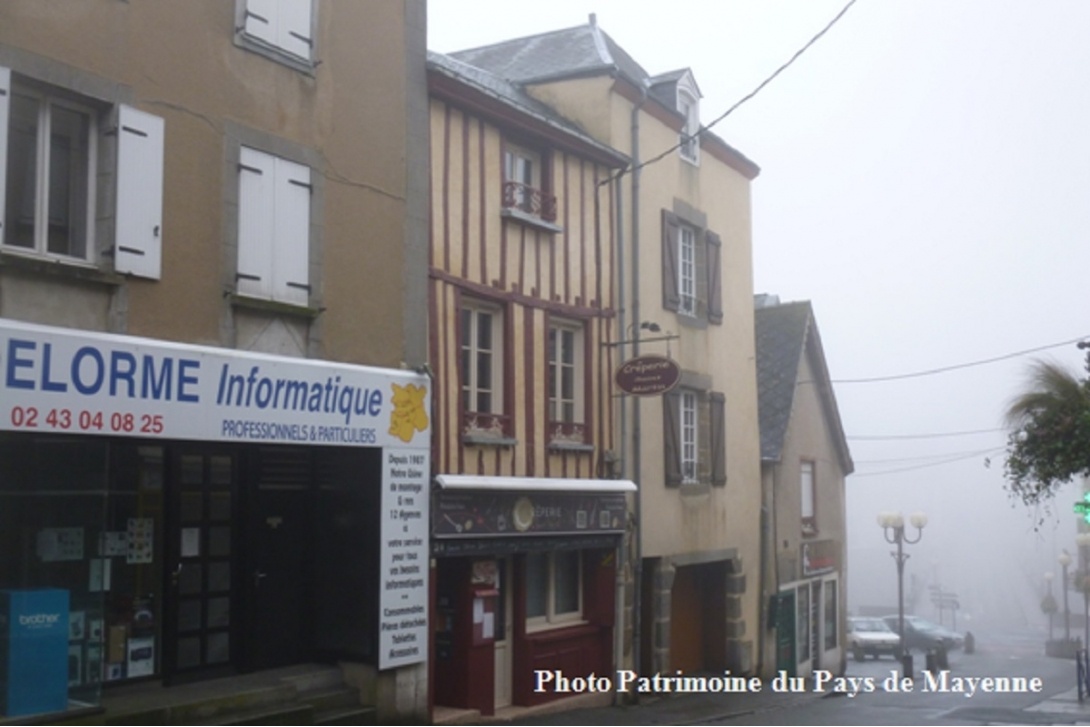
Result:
<point x="689" y="107"/>
<point x="525" y="184"/>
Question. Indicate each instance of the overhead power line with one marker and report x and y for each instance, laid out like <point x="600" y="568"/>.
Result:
<point x="740" y="101"/>
<point x="954" y="367"/>
<point x="884" y="437"/>
<point x="980" y="453"/>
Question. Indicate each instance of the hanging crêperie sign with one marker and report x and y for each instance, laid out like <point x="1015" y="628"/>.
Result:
<point x="647" y="375"/>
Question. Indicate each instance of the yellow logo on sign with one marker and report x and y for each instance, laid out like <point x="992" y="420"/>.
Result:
<point x="408" y="416"/>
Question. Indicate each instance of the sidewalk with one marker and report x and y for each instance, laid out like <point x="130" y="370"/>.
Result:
<point x="1066" y="703"/>
<point x="674" y="709"/>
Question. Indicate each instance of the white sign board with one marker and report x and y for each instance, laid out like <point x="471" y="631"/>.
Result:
<point x="403" y="559"/>
<point x="63" y="381"/>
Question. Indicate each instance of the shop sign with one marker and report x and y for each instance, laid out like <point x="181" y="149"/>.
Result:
<point x="647" y="375"/>
<point x="58" y="380"/>
<point x="461" y="514"/>
<point x="818" y="556"/>
<point x="403" y="558"/>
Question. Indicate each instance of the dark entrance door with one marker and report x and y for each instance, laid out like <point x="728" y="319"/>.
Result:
<point x="784" y="622"/>
<point x="278" y="584"/>
<point x="201" y="594"/>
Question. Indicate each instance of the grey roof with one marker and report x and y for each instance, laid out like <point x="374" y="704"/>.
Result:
<point x="584" y="49"/>
<point x="784" y="332"/>
<point x="512" y="95"/>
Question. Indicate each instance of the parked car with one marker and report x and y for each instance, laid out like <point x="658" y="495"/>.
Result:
<point x="869" y="636"/>
<point x="925" y="635"/>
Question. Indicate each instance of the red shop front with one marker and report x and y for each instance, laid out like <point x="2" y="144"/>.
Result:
<point x="526" y="578"/>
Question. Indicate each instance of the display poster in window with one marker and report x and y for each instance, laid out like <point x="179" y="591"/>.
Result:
<point x="141" y="534"/>
<point x="60" y="544"/>
<point x="403" y="573"/>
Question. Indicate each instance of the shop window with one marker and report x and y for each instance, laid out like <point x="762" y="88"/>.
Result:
<point x="49" y="177"/>
<point x="832" y="618"/>
<point x="554" y="588"/>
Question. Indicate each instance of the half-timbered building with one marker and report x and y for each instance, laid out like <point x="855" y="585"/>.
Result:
<point x="527" y="516"/>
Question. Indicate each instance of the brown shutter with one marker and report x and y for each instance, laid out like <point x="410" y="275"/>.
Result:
<point x="670" y="228"/>
<point x="719" y="438"/>
<point x="671" y="427"/>
<point x="715" y="277"/>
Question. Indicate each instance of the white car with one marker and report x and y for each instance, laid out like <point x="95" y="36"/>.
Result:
<point x="872" y="637"/>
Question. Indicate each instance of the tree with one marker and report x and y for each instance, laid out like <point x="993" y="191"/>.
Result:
<point x="1049" y="443"/>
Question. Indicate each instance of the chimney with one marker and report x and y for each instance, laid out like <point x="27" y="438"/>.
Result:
<point x="594" y="20"/>
<point x="765" y="300"/>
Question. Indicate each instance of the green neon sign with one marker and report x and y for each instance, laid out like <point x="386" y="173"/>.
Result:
<point x="1083" y="508"/>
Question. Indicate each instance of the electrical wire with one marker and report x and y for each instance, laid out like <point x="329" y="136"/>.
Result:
<point x="884" y="437"/>
<point x="954" y="367"/>
<point x="995" y="450"/>
<point x="744" y="99"/>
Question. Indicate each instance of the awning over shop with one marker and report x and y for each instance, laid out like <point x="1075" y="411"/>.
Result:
<point x="532" y="484"/>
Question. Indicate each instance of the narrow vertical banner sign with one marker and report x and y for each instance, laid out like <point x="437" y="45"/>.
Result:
<point x="403" y="571"/>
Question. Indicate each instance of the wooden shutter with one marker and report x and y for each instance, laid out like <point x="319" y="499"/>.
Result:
<point x="294" y="28"/>
<point x="715" y="276"/>
<point x="139" y="233"/>
<point x="260" y="20"/>
<point x="671" y="300"/>
<point x="256" y="223"/>
<point x="718" y="434"/>
<point x="291" y="241"/>
<point x="5" y="106"/>
<point x="671" y="427"/>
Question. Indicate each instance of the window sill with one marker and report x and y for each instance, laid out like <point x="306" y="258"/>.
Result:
<point x="56" y="267"/>
<point x="275" y="54"/>
<point x="540" y="627"/>
<point x="563" y="446"/>
<point x="273" y="306"/>
<point x="488" y="440"/>
<point x="531" y="220"/>
<point x="694" y="489"/>
<point x="809" y="530"/>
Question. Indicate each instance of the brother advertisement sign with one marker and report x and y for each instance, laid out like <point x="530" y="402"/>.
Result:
<point x="60" y="381"/>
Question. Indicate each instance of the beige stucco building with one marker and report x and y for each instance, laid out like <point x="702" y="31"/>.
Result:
<point x="684" y="271"/>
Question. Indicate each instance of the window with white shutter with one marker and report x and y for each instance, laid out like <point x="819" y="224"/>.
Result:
<point x="281" y="26"/>
<point x="273" y="228"/>
<point x="138" y="244"/>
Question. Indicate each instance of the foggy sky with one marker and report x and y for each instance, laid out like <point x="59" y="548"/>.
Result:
<point x="926" y="184"/>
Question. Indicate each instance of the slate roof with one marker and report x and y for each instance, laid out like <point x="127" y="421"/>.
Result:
<point x="784" y="333"/>
<point x="582" y="50"/>
<point x="512" y="95"/>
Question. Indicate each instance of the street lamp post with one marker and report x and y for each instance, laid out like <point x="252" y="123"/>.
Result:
<point x="1065" y="560"/>
<point x="893" y="527"/>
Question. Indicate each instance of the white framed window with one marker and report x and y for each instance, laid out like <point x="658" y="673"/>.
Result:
<point x="807" y="496"/>
<point x="566" y="379"/>
<point x="50" y="169"/>
<point x="689" y="427"/>
<point x="689" y="144"/>
<point x="482" y="358"/>
<point x="273" y="228"/>
<point x="525" y="182"/>
<point x="686" y="270"/>
<point x="554" y="588"/>
<point x="49" y="179"/>
<point x="282" y="26"/>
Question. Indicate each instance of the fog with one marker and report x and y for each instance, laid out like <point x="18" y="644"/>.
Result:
<point x="925" y="183"/>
